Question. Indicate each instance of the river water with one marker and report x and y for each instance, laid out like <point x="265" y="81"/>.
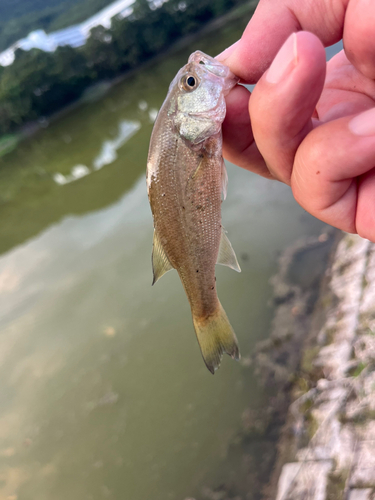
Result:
<point x="103" y="390"/>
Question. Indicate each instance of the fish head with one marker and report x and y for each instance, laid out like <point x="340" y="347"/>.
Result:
<point x="197" y="97"/>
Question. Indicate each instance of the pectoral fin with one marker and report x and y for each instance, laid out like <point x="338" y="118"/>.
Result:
<point x="197" y="170"/>
<point x="226" y="256"/>
<point x="160" y="262"/>
<point x="224" y="179"/>
<point x="198" y="173"/>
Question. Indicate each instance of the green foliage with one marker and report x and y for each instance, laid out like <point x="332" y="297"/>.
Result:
<point x="40" y="83"/>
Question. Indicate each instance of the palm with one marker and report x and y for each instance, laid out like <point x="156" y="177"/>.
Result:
<point x="346" y="91"/>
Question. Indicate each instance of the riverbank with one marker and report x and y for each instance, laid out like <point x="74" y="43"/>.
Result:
<point x="326" y="446"/>
<point x="277" y="368"/>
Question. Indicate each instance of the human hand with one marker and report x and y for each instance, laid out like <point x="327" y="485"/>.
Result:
<point x="309" y="123"/>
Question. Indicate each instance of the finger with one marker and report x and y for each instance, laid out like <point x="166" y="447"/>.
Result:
<point x="273" y="22"/>
<point x="365" y="217"/>
<point x="284" y="100"/>
<point x="333" y="176"/>
<point x="359" y="39"/>
<point x="238" y="142"/>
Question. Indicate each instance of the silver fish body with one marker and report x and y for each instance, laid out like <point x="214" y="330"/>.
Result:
<point x="186" y="177"/>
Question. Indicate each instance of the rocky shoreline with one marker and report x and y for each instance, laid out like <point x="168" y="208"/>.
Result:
<point x="315" y="438"/>
<point x="327" y="446"/>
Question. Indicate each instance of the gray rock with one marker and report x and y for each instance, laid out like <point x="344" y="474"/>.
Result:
<point x="337" y="413"/>
<point x="304" y="481"/>
<point x="360" y="494"/>
<point x="363" y="474"/>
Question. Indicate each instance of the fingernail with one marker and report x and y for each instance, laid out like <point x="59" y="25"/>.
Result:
<point x="286" y="57"/>
<point x="363" y="124"/>
<point x="227" y="52"/>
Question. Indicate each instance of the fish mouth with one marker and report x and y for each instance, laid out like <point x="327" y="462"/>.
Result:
<point x="211" y="64"/>
<point x="216" y="68"/>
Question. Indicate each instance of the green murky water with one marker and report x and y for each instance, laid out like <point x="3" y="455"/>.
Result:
<point x="103" y="392"/>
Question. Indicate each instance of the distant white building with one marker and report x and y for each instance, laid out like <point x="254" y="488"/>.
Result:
<point x="74" y="36"/>
<point x="104" y="17"/>
<point x="37" y="40"/>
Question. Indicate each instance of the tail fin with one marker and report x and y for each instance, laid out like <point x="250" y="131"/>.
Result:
<point x="216" y="336"/>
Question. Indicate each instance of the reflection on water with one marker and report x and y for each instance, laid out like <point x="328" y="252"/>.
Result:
<point x="107" y="155"/>
<point x="103" y="390"/>
<point x="77" y="172"/>
<point x="152" y="113"/>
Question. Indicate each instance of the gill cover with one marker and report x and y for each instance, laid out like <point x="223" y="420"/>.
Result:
<point x="199" y="107"/>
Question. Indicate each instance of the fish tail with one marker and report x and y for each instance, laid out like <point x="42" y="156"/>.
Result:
<point x="216" y="336"/>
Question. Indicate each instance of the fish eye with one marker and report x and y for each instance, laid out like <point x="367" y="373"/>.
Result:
<point x="189" y="82"/>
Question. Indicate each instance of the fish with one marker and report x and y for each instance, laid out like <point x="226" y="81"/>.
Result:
<point x="186" y="180"/>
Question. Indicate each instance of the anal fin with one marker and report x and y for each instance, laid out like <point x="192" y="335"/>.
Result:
<point x="226" y="256"/>
<point x="160" y="261"/>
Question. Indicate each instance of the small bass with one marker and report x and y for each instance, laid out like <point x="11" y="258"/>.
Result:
<point x="186" y="177"/>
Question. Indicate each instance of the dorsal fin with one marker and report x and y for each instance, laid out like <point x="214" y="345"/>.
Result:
<point x="226" y="256"/>
<point x="160" y="262"/>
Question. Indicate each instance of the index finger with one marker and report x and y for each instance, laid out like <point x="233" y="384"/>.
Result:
<point x="273" y="22"/>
